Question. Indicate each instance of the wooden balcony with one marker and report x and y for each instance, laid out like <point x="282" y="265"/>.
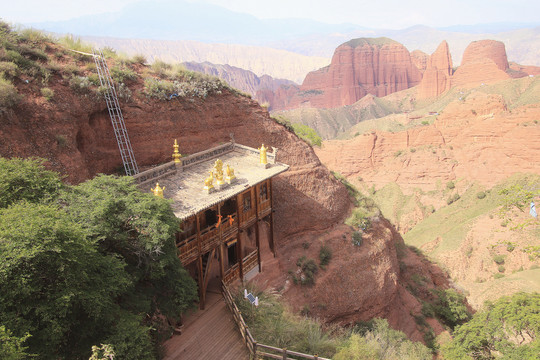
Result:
<point x="209" y="239"/>
<point x="229" y="230"/>
<point x="188" y="250"/>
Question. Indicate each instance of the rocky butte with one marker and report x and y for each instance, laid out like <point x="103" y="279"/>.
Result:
<point x="378" y="66"/>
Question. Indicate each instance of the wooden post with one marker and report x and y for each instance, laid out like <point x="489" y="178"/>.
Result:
<point x="255" y="349"/>
<point x="285" y="354"/>
<point x="201" y="274"/>
<point x="239" y="241"/>
<point x="221" y="264"/>
<point x="271" y="240"/>
<point x="257" y="191"/>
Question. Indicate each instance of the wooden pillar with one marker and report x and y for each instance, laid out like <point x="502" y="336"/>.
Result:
<point x="257" y="192"/>
<point x="221" y="264"/>
<point x="271" y="239"/>
<point x="239" y="241"/>
<point x="202" y="292"/>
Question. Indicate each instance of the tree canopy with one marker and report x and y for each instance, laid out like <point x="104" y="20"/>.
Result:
<point x="86" y="265"/>
<point x="507" y="328"/>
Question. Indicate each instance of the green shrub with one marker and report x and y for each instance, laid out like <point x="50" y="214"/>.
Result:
<point x="325" y="255"/>
<point x="501" y="268"/>
<point x="357" y="238"/>
<point x="450" y="307"/>
<point x="80" y="84"/>
<point x="425" y="122"/>
<point x="450" y="185"/>
<point x="453" y="198"/>
<point x="481" y="195"/>
<point x="8" y="69"/>
<point x="9" y="96"/>
<point x="121" y="74"/>
<point x="47" y="93"/>
<point x="413" y="150"/>
<point x="307" y="134"/>
<point x="309" y="269"/>
<point x="499" y="259"/>
<point x="139" y="59"/>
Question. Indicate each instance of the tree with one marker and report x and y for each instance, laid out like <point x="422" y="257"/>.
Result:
<point x="510" y="327"/>
<point x="11" y="347"/>
<point x="27" y="179"/>
<point x="55" y="284"/>
<point x="140" y="229"/>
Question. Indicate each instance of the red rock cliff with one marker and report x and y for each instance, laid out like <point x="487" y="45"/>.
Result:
<point x="74" y="132"/>
<point x="483" y="61"/>
<point x="436" y="78"/>
<point x="361" y="66"/>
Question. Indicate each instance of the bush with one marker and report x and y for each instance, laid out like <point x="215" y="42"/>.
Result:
<point x="9" y="96"/>
<point x="325" y="254"/>
<point x="499" y="259"/>
<point x="481" y="195"/>
<point x="453" y="198"/>
<point x="47" y="93"/>
<point x="80" y="84"/>
<point x="121" y="74"/>
<point x="8" y="69"/>
<point x="450" y="307"/>
<point x="309" y="269"/>
<point x="450" y="185"/>
<point x="357" y="238"/>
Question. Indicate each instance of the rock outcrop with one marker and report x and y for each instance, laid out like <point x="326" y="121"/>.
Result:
<point x="483" y="61"/>
<point x="436" y="78"/>
<point x="475" y="139"/>
<point x="420" y="59"/>
<point x="359" y="67"/>
<point x="244" y="80"/>
<point x="75" y="134"/>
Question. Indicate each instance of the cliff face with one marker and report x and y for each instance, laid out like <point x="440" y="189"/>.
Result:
<point x="359" y="67"/>
<point x="475" y="139"/>
<point x="241" y="79"/>
<point x="483" y="62"/>
<point x="74" y="132"/>
<point x="436" y="78"/>
<point x="420" y="59"/>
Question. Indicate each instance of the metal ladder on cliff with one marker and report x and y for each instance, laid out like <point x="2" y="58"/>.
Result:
<point x="117" y="120"/>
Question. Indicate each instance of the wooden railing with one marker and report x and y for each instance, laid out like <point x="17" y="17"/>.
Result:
<point x="256" y="350"/>
<point x="188" y="249"/>
<point x="231" y="274"/>
<point x="250" y="262"/>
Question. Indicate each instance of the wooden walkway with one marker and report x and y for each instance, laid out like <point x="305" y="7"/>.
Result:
<point x="210" y="334"/>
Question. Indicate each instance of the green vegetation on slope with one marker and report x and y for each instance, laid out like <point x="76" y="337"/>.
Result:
<point x="509" y="328"/>
<point x="86" y="265"/>
<point x="272" y="324"/>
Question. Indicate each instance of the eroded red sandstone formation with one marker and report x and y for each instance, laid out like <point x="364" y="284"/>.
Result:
<point x="475" y="139"/>
<point x="483" y="61"/>
<point x="361" y="66"/>
<point x="74" y="132"/>
<point x="436" y="78"/>
<point x="420" y="59"/>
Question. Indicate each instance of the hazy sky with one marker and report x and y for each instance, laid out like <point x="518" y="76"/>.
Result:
<point x="395" y="14"/>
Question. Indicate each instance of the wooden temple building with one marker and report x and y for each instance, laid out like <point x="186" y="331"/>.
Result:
<point x="224" y="198"/>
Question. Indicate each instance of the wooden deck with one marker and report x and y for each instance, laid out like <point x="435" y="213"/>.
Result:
<point x="210" y="334"/>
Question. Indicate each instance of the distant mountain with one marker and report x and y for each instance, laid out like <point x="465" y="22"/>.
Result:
<point x="241" y="79"/>
<point x="279" y="64"/>
<point x="182" y="20"/>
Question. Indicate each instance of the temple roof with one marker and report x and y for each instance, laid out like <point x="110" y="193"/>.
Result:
<point x="184" y="182"/>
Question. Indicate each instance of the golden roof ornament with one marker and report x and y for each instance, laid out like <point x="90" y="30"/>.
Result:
<point x="218" y="172"/>
<point x="264" y="159"/>
<point x="158" y="191"/>
<point x="176" y="155"/>
<point x="229" y="171"/>
<point x="208" y="186"/>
